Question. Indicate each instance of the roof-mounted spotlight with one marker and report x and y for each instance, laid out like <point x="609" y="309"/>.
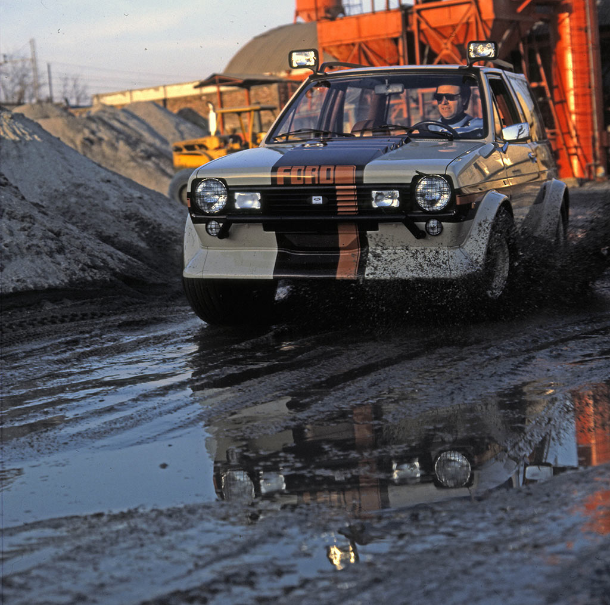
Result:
<point x="308" y="58"/>
<point x="482" y="51"/>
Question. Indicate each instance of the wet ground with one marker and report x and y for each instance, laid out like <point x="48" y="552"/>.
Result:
<point x="362" y="449"/>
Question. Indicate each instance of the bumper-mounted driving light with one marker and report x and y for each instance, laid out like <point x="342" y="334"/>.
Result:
<point x="213" y="228"/>
<point x="434" y="227"/>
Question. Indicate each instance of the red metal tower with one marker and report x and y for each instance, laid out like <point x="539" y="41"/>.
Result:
<point x="560" y="57"/>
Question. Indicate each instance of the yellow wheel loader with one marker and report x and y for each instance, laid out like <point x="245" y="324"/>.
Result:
<point x="192" y="153"/>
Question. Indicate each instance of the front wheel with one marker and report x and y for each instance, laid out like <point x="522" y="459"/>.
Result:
<point x="500" y="260"/>
<point x="178" y="185"/>
<point x="231" y="302"/>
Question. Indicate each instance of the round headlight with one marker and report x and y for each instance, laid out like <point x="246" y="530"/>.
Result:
<point x="432" y="193"/>
<point x="211" y="196"/>
<point x="452" y="469"/>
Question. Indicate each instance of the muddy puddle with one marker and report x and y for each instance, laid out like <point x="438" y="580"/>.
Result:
<point x="149" y="458"/>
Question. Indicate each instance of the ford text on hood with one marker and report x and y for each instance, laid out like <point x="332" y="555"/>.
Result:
<point x="397" y="173"/>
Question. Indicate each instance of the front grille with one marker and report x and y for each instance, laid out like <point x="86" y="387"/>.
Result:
<point x="297" y="201"/>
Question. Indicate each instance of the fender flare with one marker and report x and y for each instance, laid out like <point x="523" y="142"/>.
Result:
<point x="194" y="254"/>
<point x="475" y="245"/>
<point x="543" y="218"/>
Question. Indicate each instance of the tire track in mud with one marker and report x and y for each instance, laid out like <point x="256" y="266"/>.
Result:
<point x="419" y="372"/>
<point x="85" y="390"/>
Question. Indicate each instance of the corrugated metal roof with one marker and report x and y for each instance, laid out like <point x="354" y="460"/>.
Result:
<point x="268" y="53"/>
<point x="239" y="80"/>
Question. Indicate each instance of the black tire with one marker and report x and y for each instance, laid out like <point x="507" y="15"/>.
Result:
<point x="499" y="271"/>
<point x="561" y="236"/>
<point x="177" y="186"/>
<point x="231" y="302"/>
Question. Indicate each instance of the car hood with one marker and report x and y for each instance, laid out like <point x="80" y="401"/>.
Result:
<point x="391" y="159"/>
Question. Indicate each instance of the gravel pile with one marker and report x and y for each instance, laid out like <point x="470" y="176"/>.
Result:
<point x="69" y="223"/>
<point x="134" y="141"/>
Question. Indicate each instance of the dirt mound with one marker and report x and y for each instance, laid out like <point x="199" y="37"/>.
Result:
<point x="69" y="223"/>
<point x="134" y="141"/>
<point x="192" y="116"/>
<point x="170" y="126"/>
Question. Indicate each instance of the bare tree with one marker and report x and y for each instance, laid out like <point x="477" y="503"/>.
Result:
<point x="16" y="81"/>
<point x="73" y="90"/>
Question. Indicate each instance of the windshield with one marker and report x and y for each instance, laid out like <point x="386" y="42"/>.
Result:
<point x="433" y="105"/>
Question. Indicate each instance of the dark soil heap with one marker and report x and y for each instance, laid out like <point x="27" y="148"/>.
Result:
<point x="134" y="141"/>
<point x="68" y="223"/>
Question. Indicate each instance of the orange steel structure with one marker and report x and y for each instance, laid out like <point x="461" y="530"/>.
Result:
<point x="561" y="58"/>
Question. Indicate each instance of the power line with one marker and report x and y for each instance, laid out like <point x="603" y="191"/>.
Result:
<point x="117" y="71"/>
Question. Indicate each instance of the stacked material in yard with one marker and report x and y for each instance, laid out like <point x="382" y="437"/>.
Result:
<point x="69" y="223"/>
<point x="134" y="141"/>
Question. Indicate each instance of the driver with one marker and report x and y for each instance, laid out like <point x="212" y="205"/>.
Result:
<point x="452" y="102"/>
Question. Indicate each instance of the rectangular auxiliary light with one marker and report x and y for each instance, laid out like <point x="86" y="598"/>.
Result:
<point x="304" y="58"/>
<point x="482" y="51"/>
<point x="247" y="201"/>
<point x="386" y="199"/>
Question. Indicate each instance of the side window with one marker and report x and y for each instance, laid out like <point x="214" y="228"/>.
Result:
<point x="529" y="107"/>
<point x="506" y="111"/>
<point x="497" y="121"/>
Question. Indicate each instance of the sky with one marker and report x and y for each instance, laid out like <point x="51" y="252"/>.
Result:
<point x="122" y="44"/>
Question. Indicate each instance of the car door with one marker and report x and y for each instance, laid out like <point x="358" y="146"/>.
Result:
<point x="519" y="157"/>
<point x="541" y="146"/>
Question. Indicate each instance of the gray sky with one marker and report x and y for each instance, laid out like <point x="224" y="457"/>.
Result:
<point x="122" y="44"/>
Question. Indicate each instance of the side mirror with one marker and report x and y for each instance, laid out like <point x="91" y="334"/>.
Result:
<point x="297" y="59"/>
<point x="516" y="132"/>
<point x="539" y="473"/>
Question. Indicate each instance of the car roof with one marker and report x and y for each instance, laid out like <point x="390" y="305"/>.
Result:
<point x="414" y="68"/>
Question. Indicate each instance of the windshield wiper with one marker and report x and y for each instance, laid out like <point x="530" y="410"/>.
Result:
<point x="388" y="127"/>
<point x="315" y="131"/>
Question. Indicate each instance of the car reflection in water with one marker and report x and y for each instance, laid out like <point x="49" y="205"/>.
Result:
<point x="373" y="457"/>
<point x="362" y="461"/>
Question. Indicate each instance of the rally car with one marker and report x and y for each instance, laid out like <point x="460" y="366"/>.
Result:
<point x="377" y="173"/>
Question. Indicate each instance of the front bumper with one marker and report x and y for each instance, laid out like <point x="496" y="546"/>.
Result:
<point x="390" y="252"/>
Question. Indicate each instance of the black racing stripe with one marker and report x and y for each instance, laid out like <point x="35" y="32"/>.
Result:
<point x="317" y="254"/>
<point x="364" y="251"/>
<point x="306" y="255"/>
<point x="339" y="152"/>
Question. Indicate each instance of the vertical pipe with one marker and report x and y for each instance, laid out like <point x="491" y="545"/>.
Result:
<point x="596" y="87"/>
<point x="582" y="74"/>
<point x="564" y="90"/>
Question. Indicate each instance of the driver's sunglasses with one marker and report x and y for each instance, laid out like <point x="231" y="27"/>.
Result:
<point x="438" y="97"/>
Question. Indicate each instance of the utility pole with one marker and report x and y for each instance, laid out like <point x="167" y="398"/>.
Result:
<point x="50" y="83"/>
<point x="34" y="70"/>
